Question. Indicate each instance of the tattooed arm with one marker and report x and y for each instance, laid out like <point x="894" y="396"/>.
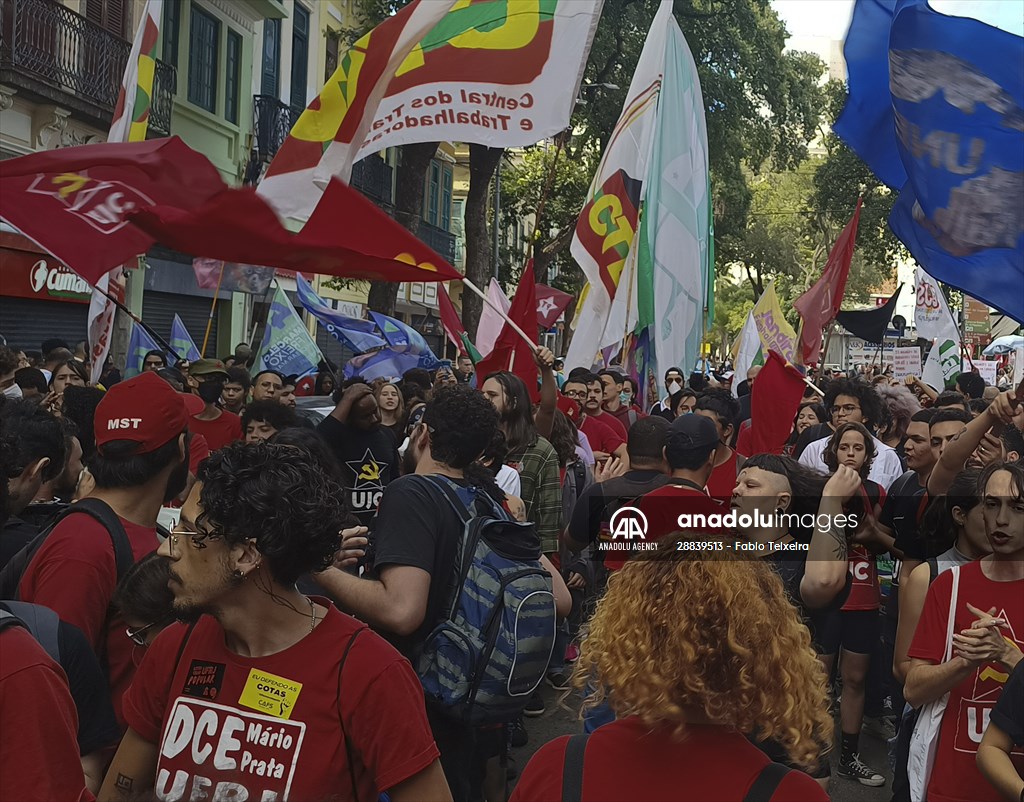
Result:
<point x="133" y="769"/>
<point x="827" y="556"/>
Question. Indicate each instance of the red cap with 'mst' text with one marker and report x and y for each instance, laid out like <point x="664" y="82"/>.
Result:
<point x="145" y="410"/>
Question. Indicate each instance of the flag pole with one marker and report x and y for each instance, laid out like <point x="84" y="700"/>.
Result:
<point x="213" y="308"/>
<point x="501" y="313"/>
<point x="166" y="345"/>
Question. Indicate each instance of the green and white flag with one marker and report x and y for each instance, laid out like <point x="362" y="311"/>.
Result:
<point x="287" y="346"/>
<point x="674" y="275"/>
<point x="935" y="322"/>
<point x="748" y="351"/>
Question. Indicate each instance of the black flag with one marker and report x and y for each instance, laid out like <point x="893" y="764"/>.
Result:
<point x="869" y="324"/>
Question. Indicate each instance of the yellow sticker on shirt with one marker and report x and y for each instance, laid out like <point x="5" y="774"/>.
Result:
<point x="270" y="694"/>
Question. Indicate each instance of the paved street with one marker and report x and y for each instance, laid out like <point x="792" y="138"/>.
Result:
<point x="560" y="721"/>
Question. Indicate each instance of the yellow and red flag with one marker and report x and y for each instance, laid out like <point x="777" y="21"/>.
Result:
<point x="482" y="71"/>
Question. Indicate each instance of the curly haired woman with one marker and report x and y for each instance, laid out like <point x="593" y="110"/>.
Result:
<point x="694" y="656"/>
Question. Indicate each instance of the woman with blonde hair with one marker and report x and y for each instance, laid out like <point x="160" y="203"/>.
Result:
<point x="392" y="409"/>
<point x="695" y="655"/>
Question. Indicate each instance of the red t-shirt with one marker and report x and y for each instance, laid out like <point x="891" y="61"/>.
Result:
<point x="271" y="724"/>
<point x="74" y="573"/>
<point x="663" y="506"/>
<point x="198" y="450"/>
<point x="627" y="416"/>
<point x="710" y="763"/>
<point x="600" y="435"/>
<point x="219" y="432"/>
<point x="955" y="777"/>
<point x="611" y="422"/>
<point x="39" y="740"/>
<point x="864" y="590"/>
<point x="722" y="481"/>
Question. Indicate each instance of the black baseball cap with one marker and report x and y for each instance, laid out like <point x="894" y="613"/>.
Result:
<point x="692" y="432"/>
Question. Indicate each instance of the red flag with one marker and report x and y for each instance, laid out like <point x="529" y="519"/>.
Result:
<point x="550" y="304"/>
<point x="75" y="202"/>
<point x="347" y="236"/>
<point x="450" y="318"/>
<point x="820" y="303"/>
<point x="510" y="352"/>
<point x="774" y="400"/>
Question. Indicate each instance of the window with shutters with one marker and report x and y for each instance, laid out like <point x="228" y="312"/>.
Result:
<point x="300" y="60"/>
<point x="204" y="33"/>
<point x="332" y="53"/>
<point x="171" y="25"/>
<point x="108" y="14"/>
<point x="446" y="199"/>
<point x="233" y="77"/>
<point x="433" y="188"/>
<point x="270" y="76"/>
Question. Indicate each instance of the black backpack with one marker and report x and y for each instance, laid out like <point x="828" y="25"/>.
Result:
<point x="12" y="573"/>
<point x="765" y="784"/>
<point x="41" y="622"/>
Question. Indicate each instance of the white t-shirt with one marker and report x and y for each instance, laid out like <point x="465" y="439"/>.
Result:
<point x="886" y="467"/>
<point x="508" y="480"/>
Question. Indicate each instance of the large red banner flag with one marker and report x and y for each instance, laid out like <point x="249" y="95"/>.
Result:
<point x="511" y="352"/>
<point x="774" y="400"/>
<point x="820" y="304"/>
<point x="75" y="202"/>
<point x="450" y="318"/>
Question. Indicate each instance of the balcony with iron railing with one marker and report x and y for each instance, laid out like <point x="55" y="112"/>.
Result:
<point x="374" y="178"/>
<point x="53" y="55"/>
<point x="437" y="238"/>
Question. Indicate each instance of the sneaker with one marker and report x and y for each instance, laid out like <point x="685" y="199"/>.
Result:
<point x="880" y="726"/>
<point x="517" y="735"/>
<point x="854" y="769"/>
<point x="559" y="680"/>
<point x="535" y="707"/>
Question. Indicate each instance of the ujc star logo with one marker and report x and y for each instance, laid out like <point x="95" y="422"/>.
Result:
<point x="102" y="204"/>
<point x="628" y="523"/>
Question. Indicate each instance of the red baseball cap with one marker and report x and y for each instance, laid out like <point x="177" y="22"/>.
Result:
<point x="145" y="410"/>
<point x="570" y="407"/>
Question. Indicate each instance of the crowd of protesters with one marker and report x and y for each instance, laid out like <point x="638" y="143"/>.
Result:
<point x="211" y="591"/>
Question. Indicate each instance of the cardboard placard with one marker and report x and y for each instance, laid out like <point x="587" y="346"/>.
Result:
<point x="906" y="361"/>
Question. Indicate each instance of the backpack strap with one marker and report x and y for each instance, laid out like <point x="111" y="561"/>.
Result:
<point x="933" y="569"/>
<point x="451" y="492"/>
<point x="41" y="621"/>
<point x="9" y="620"/>
<point x="101" y="511"/>
<point x="766" y="783"/>
<point x="348" y="743"/>
<point x="572" y="770"/>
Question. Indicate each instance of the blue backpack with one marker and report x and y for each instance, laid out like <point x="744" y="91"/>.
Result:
<point x="490" y="651"/>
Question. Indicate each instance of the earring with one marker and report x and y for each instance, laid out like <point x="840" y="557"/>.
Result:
<point x="239" y="574"/>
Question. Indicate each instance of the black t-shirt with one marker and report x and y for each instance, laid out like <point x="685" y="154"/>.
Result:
<point x="598" y="502"/>
<point x="417" y="526"/>
<point x="368" y="461"/>
<point x="901" y="513"/>
<point x="791" y="567"/>
<point x="811" y="434"/>
<point x="15" y="535"/>
<point x="1008" y="713"/>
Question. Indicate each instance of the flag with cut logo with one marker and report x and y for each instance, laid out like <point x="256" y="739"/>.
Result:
<point x="359" y="335"/>
<point x="500" y="73"/>
<point x="286" y="346"/>
<point x="130" y="123"/>
<point x="675" y="274"/>
<point x="139" y="344"/>
<point x="607" y="225"/>
<point x="182" y="343"/>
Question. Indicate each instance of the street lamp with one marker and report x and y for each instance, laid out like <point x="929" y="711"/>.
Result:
<point x="589" y="87"/>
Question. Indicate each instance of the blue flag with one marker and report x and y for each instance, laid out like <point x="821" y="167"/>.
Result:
<point x="287" y="346"/>
<point x="405" y="339"/>
<point x="182" y="343"/>
<point x="947" y="98"/>
<point x="139" y="345"/>
<point x="384" y="364"/>
<point x="359" y="335"/>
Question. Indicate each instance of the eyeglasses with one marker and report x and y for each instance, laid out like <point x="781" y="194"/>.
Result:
<point x="577" y="394"/>
<point x="197" y="538"/>
<point x="138" y="636"/>
<point x="845" y="408"/>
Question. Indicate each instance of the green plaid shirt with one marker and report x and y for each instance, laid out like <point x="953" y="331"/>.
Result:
<point x="541" y="489"/>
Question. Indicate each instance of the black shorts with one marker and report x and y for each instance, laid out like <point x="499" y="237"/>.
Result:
<point x="857" y="631"/>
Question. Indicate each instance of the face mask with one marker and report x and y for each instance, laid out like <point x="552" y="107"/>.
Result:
<point x="210" y="391"/>
<point x="13" y="392"/>
<point x="625" y="398"/>
<point x="674" y="387"/>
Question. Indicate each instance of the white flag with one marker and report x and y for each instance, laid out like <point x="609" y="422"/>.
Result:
<point x="935" y="322"/>
<point x="748" y="352"/>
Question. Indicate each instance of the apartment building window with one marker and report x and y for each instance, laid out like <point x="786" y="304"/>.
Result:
<point x="446" y="199"/>
<point x="300" y="60"/>
<point x="433" y="187"/>
<point x="108" y="14"/>
<point x="204" y="33"/>
<point x="270" y="79"/>
<point x="233" y="77"/>
<point x="171" y="25"/>
<point x="332" y="53"/>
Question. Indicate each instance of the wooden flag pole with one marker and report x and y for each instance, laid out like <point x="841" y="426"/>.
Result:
<point x="213" y="309"/>
<point x="501" y="313"/>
